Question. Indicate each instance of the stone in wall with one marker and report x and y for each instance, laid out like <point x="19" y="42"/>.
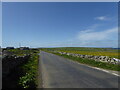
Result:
<point x="9" y="63"/>
<point x="96" y="58"/>
<point x="68" y="54"/>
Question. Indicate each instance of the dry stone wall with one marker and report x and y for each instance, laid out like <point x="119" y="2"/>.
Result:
<point x="9" y="63"/>
<point x="92" y="57"/>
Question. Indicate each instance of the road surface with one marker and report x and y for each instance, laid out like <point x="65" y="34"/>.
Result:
<point x="59" y="72"/>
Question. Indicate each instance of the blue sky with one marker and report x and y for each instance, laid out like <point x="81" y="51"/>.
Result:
<point x="60" y="24"/>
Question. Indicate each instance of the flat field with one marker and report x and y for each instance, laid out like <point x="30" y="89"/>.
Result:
<point x="111" y="52"/>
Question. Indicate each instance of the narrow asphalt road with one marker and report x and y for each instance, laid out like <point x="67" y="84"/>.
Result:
<point x="58" y="72"/>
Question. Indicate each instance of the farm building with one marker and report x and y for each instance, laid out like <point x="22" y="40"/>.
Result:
<point x="9" y="48"/>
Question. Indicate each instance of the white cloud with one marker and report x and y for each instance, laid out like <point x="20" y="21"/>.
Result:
<point x="90" y="38"/>
<point x="92" y="35"/>
<point x="102" y="18"/>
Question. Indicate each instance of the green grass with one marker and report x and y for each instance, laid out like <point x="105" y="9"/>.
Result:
<point x="27" y="72"/>
<point x="91" y="62"/>
<point x="30" y="70"/>
<point x="18" y="52"/>
<point x="112" y="53"/>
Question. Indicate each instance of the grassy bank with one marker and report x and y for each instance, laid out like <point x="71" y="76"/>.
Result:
<point x="30" y="72"/>
<point x="91" y="62"/>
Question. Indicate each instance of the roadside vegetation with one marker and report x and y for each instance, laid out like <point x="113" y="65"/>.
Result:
<point x="92" y="62"/>
<point x="25" y="74"/>
<point x="30" y="72"/>
<point x="89" y="51"/>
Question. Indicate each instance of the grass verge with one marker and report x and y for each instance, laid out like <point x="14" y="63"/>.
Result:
<point x="92" y="62"/>
<point x="30" y="73"/>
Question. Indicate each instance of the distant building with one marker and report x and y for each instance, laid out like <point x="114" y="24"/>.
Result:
<point x="24" y="48"/>
<point x="9" y="48"/>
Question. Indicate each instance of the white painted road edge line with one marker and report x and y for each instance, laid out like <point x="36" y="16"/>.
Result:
<point x="106" y="71"/>
<point x="97" y="68"/>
